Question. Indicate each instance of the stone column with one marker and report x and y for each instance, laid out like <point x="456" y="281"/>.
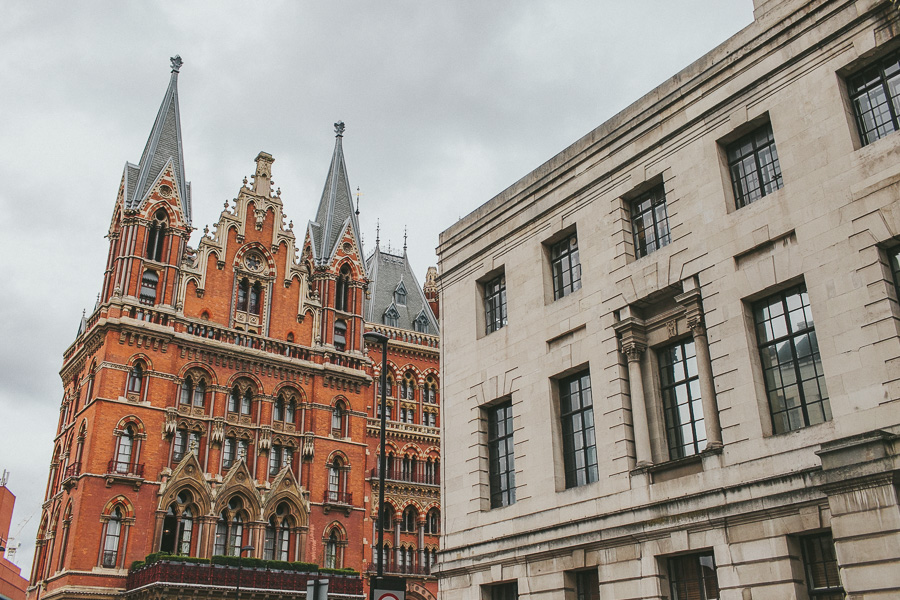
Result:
<point x="422" y="543"/>
<point x="397" y="520"/>
<point x="642" y="451"/>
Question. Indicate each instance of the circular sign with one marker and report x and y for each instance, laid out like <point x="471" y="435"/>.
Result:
<point x="388" y="596"/>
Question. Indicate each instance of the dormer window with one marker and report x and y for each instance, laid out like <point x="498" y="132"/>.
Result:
<point x="400" y="295"/>
<point x="421" y="323"/>
<point x="156" y="236"/>
<point x="391" y="317"/>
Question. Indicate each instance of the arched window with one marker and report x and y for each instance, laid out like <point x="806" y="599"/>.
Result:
<point x="387" y="515"/>
<point x="338" y="417"/>
<point x="234" y="449"/>
<point x="406" y="468"/>
<point x="255" y="295"/>
<point x="290" y="338"/>
<point x="246" y="402"/>
<point x="408" y="387"/>
<point x="124" y="450"/>
<point x="230" y="529"/>
<point x="410" y="516"/>
<point x="280" y="457"/>
<point x="240" y="401"/>
<point x="342" y="290"/>
<point x="156" y="236"/>
<point x="67" y="522"/>
<point x="433" y="522"/>
<point x="243" y="295"/>
<point x="289" y="411"/>
<point x="337" y="482"/>
<point x="184" y="442"/>
<point x="278" y="534"/>
<point x="340" y="335"/>
<point x="200" y="393"/>
<point x="331" y="551"/>
<point x="430" y="390"/>
<point x="149" y="283"/>
<point x="178" y="526"/>
<point x="111" y="538"/>
<point x="278" y="413"/>
<point x="89" y="393"/>
<point x="135" y="378"/>
<point x="187" y="390"/>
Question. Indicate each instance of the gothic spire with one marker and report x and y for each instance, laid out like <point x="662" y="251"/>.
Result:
<point x="163" y="146"/>
<point x="336" y="206"/>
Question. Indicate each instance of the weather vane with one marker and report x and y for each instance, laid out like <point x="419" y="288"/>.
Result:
<point x="176" y="63"/>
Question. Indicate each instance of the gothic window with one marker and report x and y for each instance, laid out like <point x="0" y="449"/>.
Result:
<point x="289" y="411"/>
<point x="230" y="529"/>
<point x="255" y="295"/>
<point x="278" y="534"/>
<point x="149" y="283"/>
<point x="650" y="222"/>
<point x="243" y="295"/>
<point x="331" y="551"/>
<point x="193" y="391"/>
<point x="494" y="294"/>
<point x="391" y="317"/>
<point x="753" y="164"/>
<point x="124" y="450"/>
<point x="566" y="267"/>
<point x="178" y="525"/>
<point x="184" y="442"/>
<point x="501" y="455"/>
<point x="337" y="482"/>
<point x="680" y="388"/>
<point x="400" y="295"/>
<point x="410" y="519"/>
<point x="66" y="525"/>
<point x="240" y="401"/>
<point x="156" y="236"/>
<point x="342" y="290"/>
<point x="136" y="378"/>
<point x="340" y="335"/>
<point x="430" y="390"/>
<point x="232" y="450"/>
<point x="792" y="368"/>
<point x="200" y="393"/>
<point x="433" y="522"/>
<point x="338" y="419"/>
<point x="576" y="409"/>
<point x="111" y="539"/>
<point x="429" y="419"/>
<point x="408" y="387"/>
<point x="421" y="323"/>
<point x="874" y="94"/>
<point x="89" y="393"/>
<point x="279" y="409"/>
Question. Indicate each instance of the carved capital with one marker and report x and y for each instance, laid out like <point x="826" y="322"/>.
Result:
<point x="633" y="350"/>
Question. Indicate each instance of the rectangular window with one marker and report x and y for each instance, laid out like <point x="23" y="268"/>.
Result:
<point x="566" y="267"/>
<point x="792" y="369"/>
<point x="895" y="267"/>
<point x="650" y="222"/>
<point x="875" y="96"/>
<point x="501" y="455"/>
<point x="680" y="387"/>
<point x="587" y="585"/>
<point x="505" y="591"/>
<point x="820" y="564"/>
<point x="693" y="577"/>
<point x="753" y="164"/>
<point x="576" y="410"/>
<point x="495" y="304"/>
<point x="181" y="440"/>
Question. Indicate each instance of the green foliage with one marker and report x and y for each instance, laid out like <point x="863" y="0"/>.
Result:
<point x="258" y="563"/>
<point x="339" y="571"/>
<point x="136" y="565"/>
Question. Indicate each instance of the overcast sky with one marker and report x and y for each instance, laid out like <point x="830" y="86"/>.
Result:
<point x="445" y="103"/>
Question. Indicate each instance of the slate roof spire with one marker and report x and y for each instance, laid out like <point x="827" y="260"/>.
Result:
<point x="336" y="206"/>
<point x="163" y="146"/>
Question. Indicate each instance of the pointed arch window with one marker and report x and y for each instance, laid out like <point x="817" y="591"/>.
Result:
<point x="331" y="551"/>
<point x="278" y="534"/>
<point x="149" y="283"/>
<point x="400" y="295"/>
<point x="230" y="529"/>
<point x="391" y="317"/>
<point x="342" y="290"/>
<point x="111" y="538"/>
<point x="125" y="451"/>
<point x="338" y="419"/>
<point x="408" y="387"/>
<point x="410" y="518"/>
<point x="243" y="295"/>
<point x="184" y="442"/>
<point x="255" y="297"/>
<point x="340" y="335"/>
<point x="433" y="522"/>
<point x="240" y="401"/>
<point x="337" y="482"/>
<point x="178" y="525"/>
<point x="278" y="413"/>
<point x="156" y="236"/>
<point x="234" y="449"/>
<point x="136" y="378"/>
<point x="89" y="393"/>
<point x="421" y="323"/>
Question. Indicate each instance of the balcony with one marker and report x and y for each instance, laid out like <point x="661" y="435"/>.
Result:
<point x="390" y="568"/>
<point x="417" y="475"/>
<point x="127" y="472"/>
<point x="339" y="500"/>
<point x="164" y="574"/>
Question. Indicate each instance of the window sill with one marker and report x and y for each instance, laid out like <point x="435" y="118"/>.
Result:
<point x="675" y="469"/>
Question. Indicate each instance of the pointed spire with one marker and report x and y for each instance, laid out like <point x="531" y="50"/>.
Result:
<point x="336" y="206"/>
<point x="163" y="145"/>
<point x="404" y="240"/>
<point x="377" y="233"/>
<point x="357" y="201"/>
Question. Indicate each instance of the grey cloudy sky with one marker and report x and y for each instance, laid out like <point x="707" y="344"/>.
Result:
<point x="446" y="104"/>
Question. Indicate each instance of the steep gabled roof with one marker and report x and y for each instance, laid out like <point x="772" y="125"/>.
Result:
<point x="163" y="146"/>
<point x="335" y="208"/>
<point x="386" y="273"/>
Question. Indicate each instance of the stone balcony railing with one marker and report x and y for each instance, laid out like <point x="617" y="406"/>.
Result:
<point x="406" y="336"/>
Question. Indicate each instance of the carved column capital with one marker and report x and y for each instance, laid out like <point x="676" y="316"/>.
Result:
<point x="633" y="350"/>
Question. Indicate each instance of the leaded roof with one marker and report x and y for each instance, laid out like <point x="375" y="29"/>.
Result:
<point x="386" y="273"/>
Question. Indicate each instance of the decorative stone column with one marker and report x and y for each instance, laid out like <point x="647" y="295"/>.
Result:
<point x="422" y="542"/>
<point x="691" y="300"/>
<point x="633" y="344"/>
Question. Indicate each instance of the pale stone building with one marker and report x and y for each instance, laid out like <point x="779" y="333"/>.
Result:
<point x="671" y="354"/>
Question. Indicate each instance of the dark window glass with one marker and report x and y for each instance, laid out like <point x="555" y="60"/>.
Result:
<point x="680" y="387"/>
<point x="789" y="352"/>
<point x="342" y="289"/>
<point x="149" y="282"/>
<point x="156" y="236"/>
<point x="505" y="591"/>
<point x="391" y="317"/>
<point x="650" y="222"/>
<point x="566" y="267"/>
<point x="820" y="563"/>
<point x="421" y="323"/>
<point x="577" y="415"/>
<point x="501" y="455"/>
<point x="400" y="295"/>
<point x="875" y="95"/>
<point x="495" y="304"/>
<point x="229" y="452"/>
<point x="255" y="294"/>
<point x="693" y="577"/>
<point x="587" y="585"/>
<point x="340" y="335"/>
<point x="135" y="378"/>
<point x="753" y="163"/>
<point x="895" y="268"/>
<point x="243" y="295"/>
<point x="181" y="441"/>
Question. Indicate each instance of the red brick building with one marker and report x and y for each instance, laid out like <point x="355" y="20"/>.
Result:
<point x="217" y="397"/>
<point x="12" y="584"/>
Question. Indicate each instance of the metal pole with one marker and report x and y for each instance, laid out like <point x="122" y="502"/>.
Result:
<point x="374" y="336"/>
<point x="240" y="554"/>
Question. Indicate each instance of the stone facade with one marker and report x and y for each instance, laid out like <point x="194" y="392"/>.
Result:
<point x="660" y="446"/>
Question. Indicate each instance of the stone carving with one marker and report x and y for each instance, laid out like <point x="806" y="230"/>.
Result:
<point x="171" y="423"/>
<point x="176" y="63"/>
<point x="339" y="129"/>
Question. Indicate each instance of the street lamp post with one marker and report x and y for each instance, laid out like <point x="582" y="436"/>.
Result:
<point x="240" y="554"/>
<point x="380" y="338"/>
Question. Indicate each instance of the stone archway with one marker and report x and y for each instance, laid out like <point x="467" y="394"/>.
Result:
<point x="417" y="591"/>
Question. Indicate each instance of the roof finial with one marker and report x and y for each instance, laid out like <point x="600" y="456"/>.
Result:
<point x="357" y="201"/>
<point x="176" y="63"/>
<point x="339" y="129"/>
<point x="404" y="240"/>
<point x="377" y="232"/>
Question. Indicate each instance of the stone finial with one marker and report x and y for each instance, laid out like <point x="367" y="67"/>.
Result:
<point x="339" y="129"/>
<point x="176" y="63"/>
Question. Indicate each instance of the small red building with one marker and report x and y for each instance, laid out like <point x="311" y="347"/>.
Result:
<point x="218" y="397"/>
